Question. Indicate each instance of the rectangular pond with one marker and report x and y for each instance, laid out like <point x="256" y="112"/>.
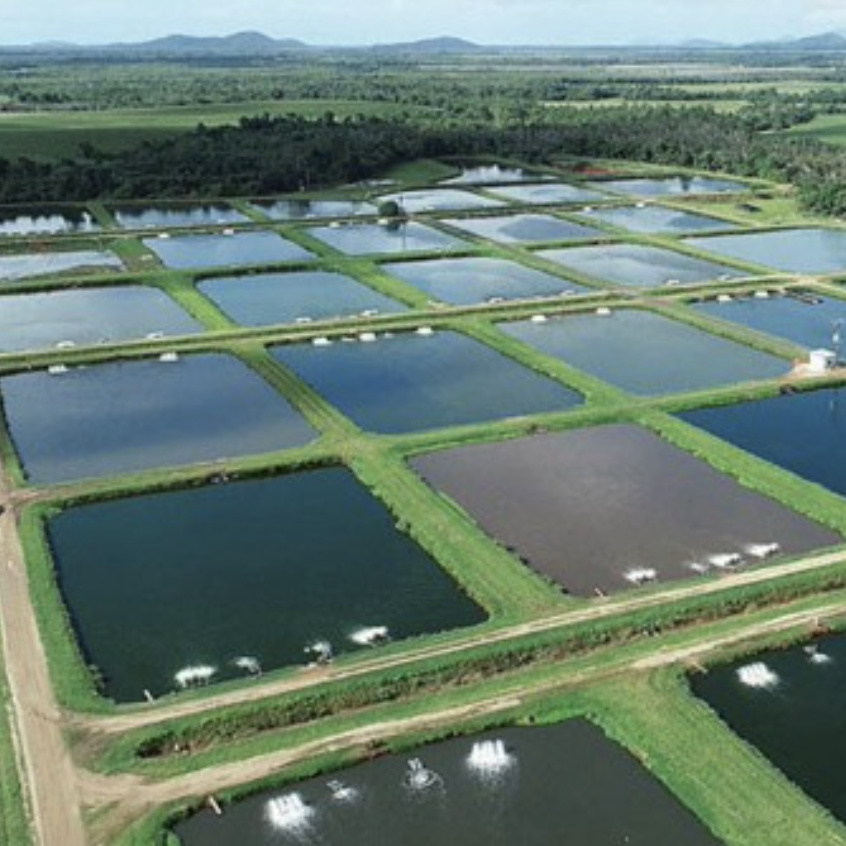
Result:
<point x="491" y="175"/>
<point x="187" y="252"/>
<point x="526" y="229"/>
<point x="269" y="298"/>
<point x="789" y="704"/>
<point x="548" y="194"/>
<point x="551" y="786"/>
<point x="89" y="316"/>
<point x="632" y="265"/>
<point x="300" y="209"/>
<point x="469" y="281"/>
<point x="658" y="220"/>
<point x="392" y="238"/>
<point x="591" y="509"/>
<point x="807" y="319"/>
<point x="176" y="215"/>
<point x="677" y="186"/>
<point x="412" y="382"/>
<point x="645" y="353"/>
<point x="131" y="416"/>
<point x="804" y="433"/>
<point x="17" y="266"/>
<point x="440" y="199"/>
<point x="240" y="577"/>
<point x="813" y="251"/>
<point x="47" y="220"/>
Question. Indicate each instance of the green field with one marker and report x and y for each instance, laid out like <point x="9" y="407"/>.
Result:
<point x="828" y="128"/>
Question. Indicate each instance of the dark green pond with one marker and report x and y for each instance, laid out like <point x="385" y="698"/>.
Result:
<point x="815" y="251"/>
<point x="177" y="215"/>
<point x="14" y="267"/>
<point x="804" y="433"/>
<point x="89" y="316"/>
<point x="186" y="252"/>
<point x="440" y="199"/>
<point x="565" y="785"/>
<point x="390" y="239"/>
<point x="591" y="507"/>
<point x="468" y="281"/>
<point x="131" y="416"/>
<point x="548" y="194"/>
<point x="525" y="228"/>
<point x="659" y="219"/>
<point x="798" y="719"/>
<point x="637" y="266"/>
<point x="645" y="353"/>
<point x="409" y="382"/>
<point x="266" y="299"/>
<point x="312" y="209"/>
<point x="809" y="320"/>
<point x="48" y="220"/>
<point x="261" y="570"/>
<point x="672" y="187"/>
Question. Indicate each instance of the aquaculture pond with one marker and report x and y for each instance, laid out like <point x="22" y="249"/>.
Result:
<point x="491" y="175"/>
<point x="468" y="281"/>
<point x="791" y="705"/>
<point x="390" y="238"/>
<point x="130" y="416"/>
<point x="47" y="220"/>
<point x="548" y="193"/>
<point x="176" y="589"/>
<point x="677" y="186"/>
<point x="613" y="507"/>
<point x="815" y="251"/>
<point x="632" y="265"/>
<point x="265" y="299"/>
<point x="807" y="319"/>
<point x="645" y="353"/>
<point x="186" y="252"/>
<point x="17" y="266"/>
<point x="804" y="433"/>
<point x="312" y="209"/>
<point x="525" y="228"/>
<point x="440" y="199"/>
<point x="410" y="382"/>
<point x="177" y="215"/>
<point x="89" y="316"/>
<point x="563" y="785"/>
<point x="657" y="219"/>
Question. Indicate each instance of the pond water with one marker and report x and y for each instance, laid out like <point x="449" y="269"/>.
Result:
<point x="394" y="238"/>
<point x="807" y="319"/>
<point x="589" y="508"/>
<point x="140" y="415"/>
<point x="266" y="299"/>
<point x="550" y="193"/>
<point x="815" y="251"/>
<point x="48" y="220"/>
<point x="260" y="569"/>
<point x="312" y="209"/>
<point x="468" y="281"/>
<point x="658" y="219"/>
<point x="440" y="199"/>
<point x="645" y="353"/>
<point x="563" y="785"/>
<point x="410" y="382"/>
<point x="637" y="266"/>
<point x="490" y="175"/>
<point x="797" y="719"/>
<point x="672" y="187"/>
<point x="804" y="433"/>
<point x="176" y="215"/>
<point x="17" y="266"/>
<point x="186" y="252"/>
<point x="526" y="228"/>
<point x="89" y="316"/>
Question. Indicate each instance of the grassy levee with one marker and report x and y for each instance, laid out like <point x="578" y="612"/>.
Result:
<point x="184" y="291"/>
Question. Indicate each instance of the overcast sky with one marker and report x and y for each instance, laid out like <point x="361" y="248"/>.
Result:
<point x="372" y="21"/>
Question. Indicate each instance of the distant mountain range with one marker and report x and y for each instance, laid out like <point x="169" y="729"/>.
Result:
<point x="244" y="44"/>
